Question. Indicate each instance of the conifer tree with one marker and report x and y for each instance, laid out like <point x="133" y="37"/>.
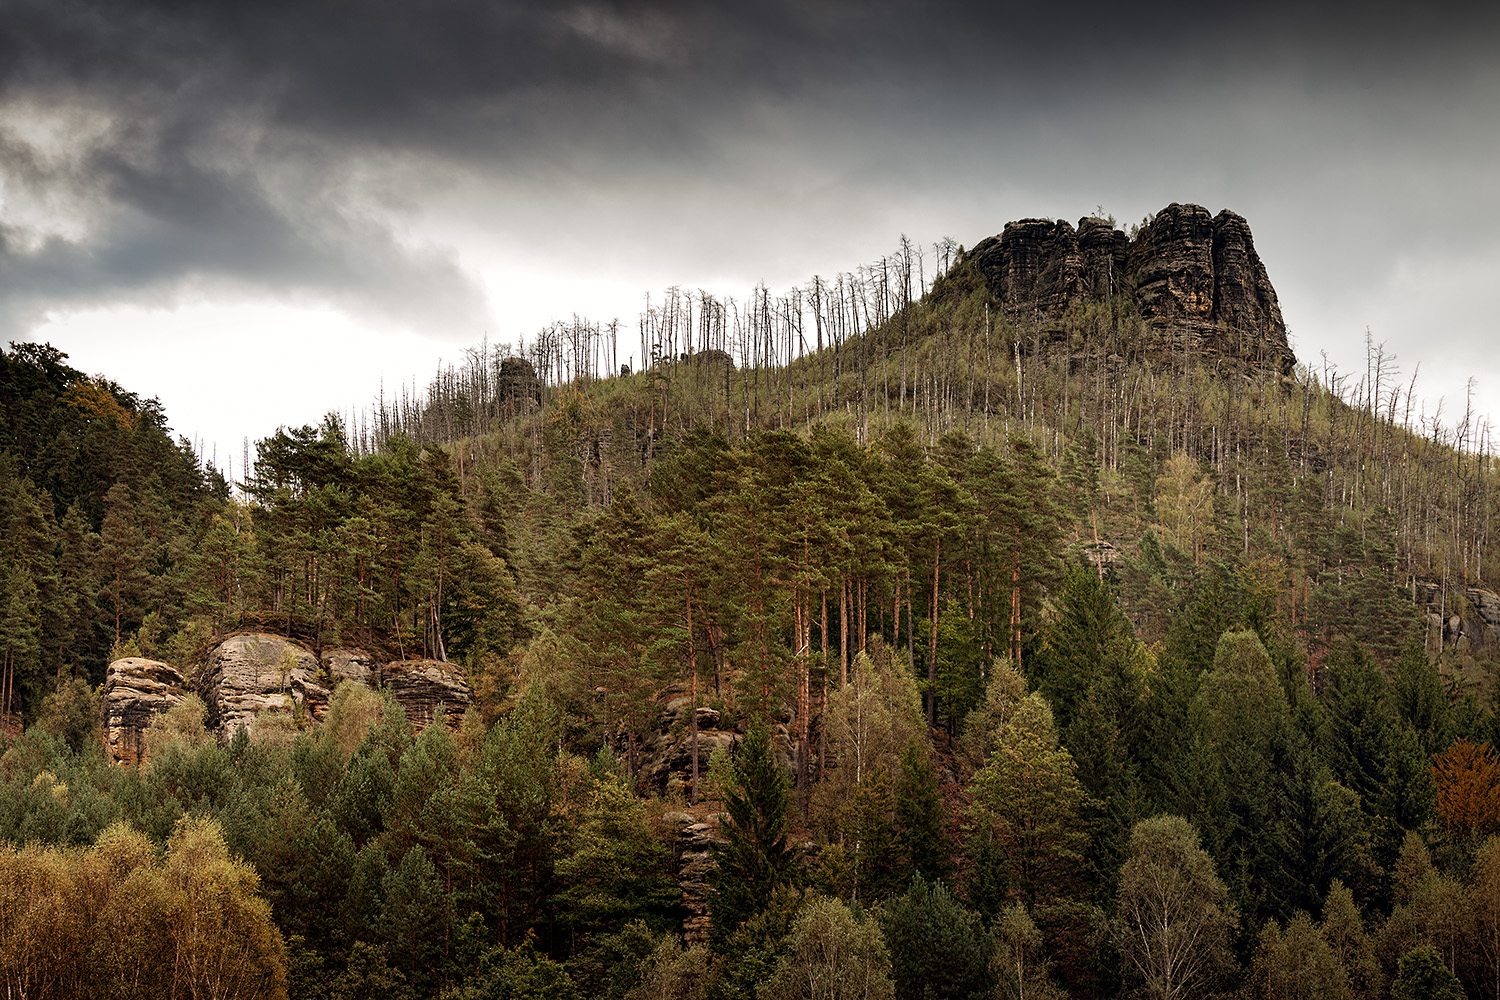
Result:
<point x="1369" y="751"/>
<point x="754" y="860"/>
<point x="919" y="813"/>
<point x="938" y="949"/>
<point x="1423" y="976"/>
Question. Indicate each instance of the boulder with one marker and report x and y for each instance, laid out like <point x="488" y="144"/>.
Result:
<point x="255" y="672"/>
<point x="420" y="686"/>
<point x="135" y="691"/>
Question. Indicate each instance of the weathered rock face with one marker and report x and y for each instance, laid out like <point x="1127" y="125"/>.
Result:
<point x="420" y="686"/>
<point x="695" y="868"/>
<point x="519" y="387"/>
<point x="356" y="665"/>
<point x="1474" y="620"/>
<point x="1197" y="278"/>
<point x="712" y="359"/>
<point x="671" y="752"/>
<point x="136" y="690"/>
<point x="253" y="673"/>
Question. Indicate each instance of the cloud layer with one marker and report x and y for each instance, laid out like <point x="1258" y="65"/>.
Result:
<point x="390" y="159"/>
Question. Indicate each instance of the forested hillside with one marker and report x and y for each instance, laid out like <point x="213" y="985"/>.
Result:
<point x="937" y="642"/>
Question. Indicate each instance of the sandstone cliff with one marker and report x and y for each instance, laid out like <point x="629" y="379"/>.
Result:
<point x="1196" y="279"/>
<point x="135" y="691"/>
<point x="268" y="684"/>
<point x="254" y="673"/>
<point x="420" y="686"/>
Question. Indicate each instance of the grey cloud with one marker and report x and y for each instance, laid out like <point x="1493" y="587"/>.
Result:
<point x="244" y="132"/>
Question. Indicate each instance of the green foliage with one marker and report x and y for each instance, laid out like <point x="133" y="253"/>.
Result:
<point x="71" y="714"/>
<point x="1028" y="797"/>
<point x="1371" y="753"/>
<point x="919" y="814"/>
<point x="818" y="543"/>
<point x="1423" y="976"/>
<point x="938" y="949"/>
<point x="1173" y="919"/>
<point x="754" y="860"/>
<point x="617" y="870"/>
<point x="520" y="973"/>
<point x="752" y="953"/>
<point x="832" y="954"/>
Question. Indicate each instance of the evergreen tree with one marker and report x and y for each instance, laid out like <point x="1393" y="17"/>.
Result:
<point x="1088" y="648"/>
<point x="939" y="951"/>
<point x="919" y="813"/>
<point x="1423" y="976"/>
<point x="1420" y="701"/>
<point x="880" y="866"/>
<point x="617" y="871"/>
<point x="1369" y="752"/>
<point x="754" y="859"/>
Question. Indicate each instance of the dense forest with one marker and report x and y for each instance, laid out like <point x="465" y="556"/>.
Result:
<point x="1011" y="658"/>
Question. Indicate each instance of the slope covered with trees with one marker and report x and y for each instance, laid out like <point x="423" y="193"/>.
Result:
<point x="1051" y="664"/>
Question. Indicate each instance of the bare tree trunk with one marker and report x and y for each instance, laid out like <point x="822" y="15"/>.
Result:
<point x="937" y="550"/>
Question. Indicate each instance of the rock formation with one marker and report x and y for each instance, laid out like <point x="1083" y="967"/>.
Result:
<point x="1472" y="622"/>
<point x="135" y="691"/>
<point x="695" y="868"/>
<point x="420" y="686"/>
<point x="671" y="752"/>
<point x="520" y="389"/>
<point x="256" y="675"/>
<point x="253" y="673"/>
<point x="356" y="665"/>
<point x="1196" y="278"/>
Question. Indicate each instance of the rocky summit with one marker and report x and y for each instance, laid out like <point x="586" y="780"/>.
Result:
<point x="1195" y="277"/>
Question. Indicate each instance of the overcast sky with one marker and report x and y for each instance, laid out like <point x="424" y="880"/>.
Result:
<point x="259" y="211"/>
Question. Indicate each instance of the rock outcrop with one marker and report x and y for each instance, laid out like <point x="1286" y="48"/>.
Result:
<point x="268" y="684"/>
<point x="520" y="389"/>
<point x="136" y="690"/>
<point x="1472" y="620"/>
<point x="356" y="665"/>
<point x="671" y="752"/>
<point x="695" y="868"/>
<point x="420" y="686"/>
<point x="254" y="673"/>
<point x="1198" y="282"/>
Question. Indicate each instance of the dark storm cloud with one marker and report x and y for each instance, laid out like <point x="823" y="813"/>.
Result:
<point x="234" y="143"/>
